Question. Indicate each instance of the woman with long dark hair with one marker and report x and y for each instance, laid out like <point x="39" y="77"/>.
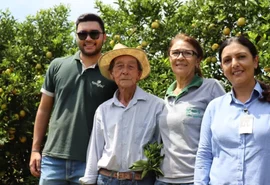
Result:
<point x="235" y="133"/>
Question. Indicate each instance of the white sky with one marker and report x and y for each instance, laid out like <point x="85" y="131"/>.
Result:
<point x="22" y="8"/>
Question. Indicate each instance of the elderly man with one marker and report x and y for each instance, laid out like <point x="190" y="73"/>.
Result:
<point x="124" y="124"/>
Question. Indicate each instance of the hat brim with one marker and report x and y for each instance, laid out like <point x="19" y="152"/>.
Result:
<point x="140" y="55"/>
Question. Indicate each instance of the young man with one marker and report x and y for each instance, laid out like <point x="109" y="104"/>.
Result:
<point x="124" y="124"/>
<point x="72" y="91"/>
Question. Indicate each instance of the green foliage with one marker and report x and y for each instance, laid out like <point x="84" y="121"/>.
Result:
<point x="22" y="68"/>
<point x="152" y="164"/>
<point x="8" y="30"/>
<point x="203" y="19"/>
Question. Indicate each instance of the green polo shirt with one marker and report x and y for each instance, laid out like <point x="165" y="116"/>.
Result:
<point x="77" y="94"/>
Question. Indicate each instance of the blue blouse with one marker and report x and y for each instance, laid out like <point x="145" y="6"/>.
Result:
<point x="225" y="156"/>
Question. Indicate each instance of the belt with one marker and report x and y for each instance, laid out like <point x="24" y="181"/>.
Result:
<point x="121" y="175"/>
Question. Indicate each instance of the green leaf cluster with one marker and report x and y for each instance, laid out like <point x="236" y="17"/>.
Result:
<point x="23" y="49"/>
<point x="152" y="164"/>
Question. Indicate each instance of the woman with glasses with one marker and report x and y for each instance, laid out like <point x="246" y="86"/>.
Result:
<point x="234" y="146"/>
<point x="186" y="100"/>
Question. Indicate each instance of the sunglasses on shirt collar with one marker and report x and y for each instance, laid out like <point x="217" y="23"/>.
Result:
<point x="93" y="34"/>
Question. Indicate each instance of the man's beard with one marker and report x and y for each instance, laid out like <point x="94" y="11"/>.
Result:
<point x="89" y="54"/>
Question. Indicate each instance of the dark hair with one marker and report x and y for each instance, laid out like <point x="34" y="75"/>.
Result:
<point x="90" y="17"/>
<point x="253" y="50"/>
<point x="113" y="62"/>
<point x="241" y="40"/>
<point x="192" y="42"/>
<point x="266" y="92"/>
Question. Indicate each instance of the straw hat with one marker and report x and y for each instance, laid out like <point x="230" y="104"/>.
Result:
<point x="119" y="50"/>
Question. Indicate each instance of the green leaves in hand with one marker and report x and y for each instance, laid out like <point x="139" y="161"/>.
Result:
<point x="152" y="164"/>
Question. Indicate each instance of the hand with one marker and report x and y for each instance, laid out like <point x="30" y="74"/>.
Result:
<point x="35" y="164"/>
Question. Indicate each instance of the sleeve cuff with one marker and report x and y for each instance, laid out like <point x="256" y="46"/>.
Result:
<point x="47" y="92"/>
<point x="88" y="180"/>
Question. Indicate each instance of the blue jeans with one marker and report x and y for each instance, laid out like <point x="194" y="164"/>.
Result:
<point x="104" y="180"/>
<point x="55" y="171"/>
<point x="165" y="183"/>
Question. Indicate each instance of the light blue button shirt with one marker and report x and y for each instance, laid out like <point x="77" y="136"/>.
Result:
<point x="227" y="157"/>
<point x="120" y="133"/>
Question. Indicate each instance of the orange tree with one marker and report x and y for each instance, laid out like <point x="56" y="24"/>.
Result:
<point x="150" y="24"/>
<point x="26" y="49"/>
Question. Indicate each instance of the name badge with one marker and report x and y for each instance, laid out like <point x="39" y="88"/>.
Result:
<point x="246" y="124"/>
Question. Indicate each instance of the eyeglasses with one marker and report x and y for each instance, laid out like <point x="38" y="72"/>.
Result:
<point x="94" y="34"/>
<point x="185" y="53"/>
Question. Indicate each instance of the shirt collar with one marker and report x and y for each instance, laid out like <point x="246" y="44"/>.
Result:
<point x="256" y="93"/>
<point x="195" y="82"/>
<point x="77" y="56"/>
<point x="138" y="95"/>
<point x="78" y="59"/>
